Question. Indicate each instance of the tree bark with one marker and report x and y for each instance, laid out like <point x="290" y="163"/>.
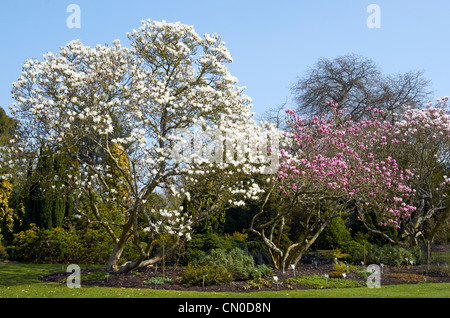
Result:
<point x="140" y="261"/>
<point x="118" y="248"/>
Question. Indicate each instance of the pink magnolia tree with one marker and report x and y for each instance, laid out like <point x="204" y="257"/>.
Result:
<point x="327" y="166"/>
<point x="424" y="148"/>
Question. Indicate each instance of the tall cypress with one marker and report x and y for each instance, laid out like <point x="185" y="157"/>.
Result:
<point x="61" y="166"/>
<point x="46" y="206"/>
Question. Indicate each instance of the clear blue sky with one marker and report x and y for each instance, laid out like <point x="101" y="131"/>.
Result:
<point x="272" y="42"/>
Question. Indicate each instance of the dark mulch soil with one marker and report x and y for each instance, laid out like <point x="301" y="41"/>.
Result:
<point x="136" y="278"/>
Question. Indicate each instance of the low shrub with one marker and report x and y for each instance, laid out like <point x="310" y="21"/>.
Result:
<point x="215" y="275"/>
<point x="261" y="271"/>
<point x="58" y="245"/>
<point x="257" y="284"/>
<point x="238" y="262"/>
<point x="363" y="273"/>
<point x="202" y="243"/>
<point x="389" y="255"/>
<point x="46" y="246"/>
<point x="342" y="267"/>
<point x="336" y="274"/>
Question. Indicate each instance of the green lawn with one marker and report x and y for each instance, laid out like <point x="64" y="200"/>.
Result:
<point x="22" y="281"/>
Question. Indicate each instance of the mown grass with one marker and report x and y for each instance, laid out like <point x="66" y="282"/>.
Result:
<point x="22" y="281"/>
<point x="318" y="281"/>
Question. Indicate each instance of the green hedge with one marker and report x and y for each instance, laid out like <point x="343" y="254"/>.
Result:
<point x="58" y="245"/>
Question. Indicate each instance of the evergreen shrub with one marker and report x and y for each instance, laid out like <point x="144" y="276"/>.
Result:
<point x="238" y="262"/>
<point x="216" y="275"/>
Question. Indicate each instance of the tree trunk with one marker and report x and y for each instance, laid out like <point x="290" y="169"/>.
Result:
<point x="307" y="244"/>
<point x="275" y="257"/>
<point x="141" y="261"/>
<point x="118" y="248"/>
<point x="428" y="255"/>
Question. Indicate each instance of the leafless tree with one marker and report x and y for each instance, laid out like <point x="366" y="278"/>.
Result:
<point x="355" y="83"/>
<point x="408" y="89"/>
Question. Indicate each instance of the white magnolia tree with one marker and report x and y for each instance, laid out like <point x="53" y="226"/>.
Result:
<point x="163" y="115"/>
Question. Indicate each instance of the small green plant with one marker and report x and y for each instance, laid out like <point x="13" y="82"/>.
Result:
<point x="363" y="273"/>
<point x="336" y="274"/>
<point x="342" y="267"/>
<point x="237" y="261"/>
<point x="157" y="280"/>
<point x="287" y="285"/>
<point x="257" y="283"/>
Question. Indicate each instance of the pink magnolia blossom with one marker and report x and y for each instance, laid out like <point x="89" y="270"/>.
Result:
<point x="342" y="158"/>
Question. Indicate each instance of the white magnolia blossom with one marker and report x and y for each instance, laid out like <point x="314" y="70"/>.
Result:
<point x="168" y="104"/>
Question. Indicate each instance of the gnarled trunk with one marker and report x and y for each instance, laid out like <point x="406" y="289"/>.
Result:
<point x="118" y="248"/>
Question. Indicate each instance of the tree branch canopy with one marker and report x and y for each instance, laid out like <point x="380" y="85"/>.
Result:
<point x="355" y="83"/>
<point x="135" y="124"/>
